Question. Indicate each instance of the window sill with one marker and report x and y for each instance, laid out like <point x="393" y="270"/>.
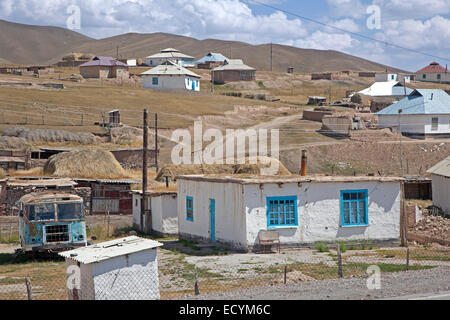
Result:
<point x="282" y="227"/>
<point x="355" y="226"/>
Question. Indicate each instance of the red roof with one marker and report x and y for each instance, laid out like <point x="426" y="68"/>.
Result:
<point x="434" y="67"/>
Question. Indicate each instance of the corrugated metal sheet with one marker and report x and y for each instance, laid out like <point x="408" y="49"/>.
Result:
<point x="169" y="68"/>
<point x="105" y="205"/>
<point x="111" y="249"/>
<point x="442" y="168"/>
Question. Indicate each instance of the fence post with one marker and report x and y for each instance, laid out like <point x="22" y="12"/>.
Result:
<point x="197" y="288"/>
<point x="285" y="274"/>
<point x="407" y="259"/>
<point x="28" y="285"/>
<point x="339" y="256"/>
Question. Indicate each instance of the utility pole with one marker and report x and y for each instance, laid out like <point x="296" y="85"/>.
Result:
<point x="156" y="143"/>
<point x="144" y="204"/>
<point x="400" y="131"/>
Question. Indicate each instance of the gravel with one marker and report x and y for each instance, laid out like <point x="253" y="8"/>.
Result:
<point x="392" y="285"/>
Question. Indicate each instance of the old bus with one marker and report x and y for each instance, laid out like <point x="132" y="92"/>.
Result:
<point x="51" y="222"/>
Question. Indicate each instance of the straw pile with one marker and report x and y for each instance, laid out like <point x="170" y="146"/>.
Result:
<point x="173" y="170"/>
<point x="2" y="174"/>
<point x="88" y="164"/>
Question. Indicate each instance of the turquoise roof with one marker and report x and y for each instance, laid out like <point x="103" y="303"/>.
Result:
<point x="421" y="101"/>
<point x="213" y="57"/>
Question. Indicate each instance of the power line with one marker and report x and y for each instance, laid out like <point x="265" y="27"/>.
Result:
<point x="347" y="31"/>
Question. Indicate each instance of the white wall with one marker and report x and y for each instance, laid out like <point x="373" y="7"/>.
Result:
<point x="170" y="82"/>
<point x="130" y="277"/>
<point x="230" y="211"/>
<point x="164" y="213"/>
<point x="441" y="192"/>
<point x="432" y="77"/>
<point x="382" y="77"/>
<point x="319" y="212"/>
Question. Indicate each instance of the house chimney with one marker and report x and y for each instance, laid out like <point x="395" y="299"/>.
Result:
<point x="304" y="168"/>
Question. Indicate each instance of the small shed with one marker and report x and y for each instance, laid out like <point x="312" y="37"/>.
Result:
<point x="114" y="118"/>
<point x="211" y="60"/>
<point x="233" y="70"/>
<point x="163" y="208"/>
<point x="317" y="101"/>
<point x="122" y="269"/>
<point x="440" y="176"/>
<point x="104" y="67"/>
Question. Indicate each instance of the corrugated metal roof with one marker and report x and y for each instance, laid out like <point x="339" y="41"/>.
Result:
<point x="104" y="62"/>
<point x="213" y="57"/>
<point x="110" y="249"/>
<point x="442" y="168"/>
<point x="386" y="88"/>
<point x="434" y="67"/>
<point x="234" y="64"/>
<point x="169" y="53"/>
<point x="169" y="68"/>
<point x="421" y="101"/>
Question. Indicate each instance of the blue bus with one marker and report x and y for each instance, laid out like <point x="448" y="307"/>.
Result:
<point x="51" y="222"/>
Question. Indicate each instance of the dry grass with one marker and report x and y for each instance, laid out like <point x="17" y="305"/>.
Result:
<point x="90" y="164"/>
<point x="35" y="172"/>
<point x="2" y="174"/>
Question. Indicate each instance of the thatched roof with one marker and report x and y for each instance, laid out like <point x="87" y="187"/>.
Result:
<point x="88" y="164"/>
<point x="227" y="169"/>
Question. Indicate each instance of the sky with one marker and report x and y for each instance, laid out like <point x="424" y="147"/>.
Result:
<point x="418" y="25"/>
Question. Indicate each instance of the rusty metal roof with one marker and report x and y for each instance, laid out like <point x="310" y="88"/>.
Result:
<point x="110" y="249"/>
<point x="37" y="197"/>
<point x="442" y="168"/>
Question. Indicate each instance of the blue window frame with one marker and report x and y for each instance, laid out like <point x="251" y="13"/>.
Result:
<point x="189" y="208"/>
<point x="354" y="208"/>
<point x="281" y="212"/>
<point x="155" y="81"/>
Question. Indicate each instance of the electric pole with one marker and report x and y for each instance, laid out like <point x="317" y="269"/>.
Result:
<point x="144" y="203"/>
<point x="156" y="143"/>
<point x="271" y="57"/>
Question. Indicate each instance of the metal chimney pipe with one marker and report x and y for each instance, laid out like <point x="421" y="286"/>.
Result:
<point x="304" y="167"/>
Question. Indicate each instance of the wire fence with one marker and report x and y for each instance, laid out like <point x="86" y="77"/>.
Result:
<point x="179" y="275"/>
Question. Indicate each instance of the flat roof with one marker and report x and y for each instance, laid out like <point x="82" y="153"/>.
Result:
<point x="110" y="249"/>
<point x="42" y="183"/>
<point x="286" y="179"/>
<point x="155" y="193"/>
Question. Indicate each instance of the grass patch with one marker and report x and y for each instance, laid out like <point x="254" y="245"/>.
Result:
<point x="10" y="239"/>
<point x="422" y="254"/>
<point x="321" y="247"/>
<point x="190" y="244"/>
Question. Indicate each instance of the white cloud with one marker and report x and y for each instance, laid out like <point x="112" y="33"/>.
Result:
<point x="324" y="41"/>
<point x="413" y="9"/>
<point x="347" y="8"/>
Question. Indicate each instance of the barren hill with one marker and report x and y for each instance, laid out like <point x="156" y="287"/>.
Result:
<point x="33" y="44"/>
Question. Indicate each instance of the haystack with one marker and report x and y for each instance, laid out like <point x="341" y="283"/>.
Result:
<point x="173" y="170"/>
<point x="2" y="174"/>
<point x="88" y="164"/>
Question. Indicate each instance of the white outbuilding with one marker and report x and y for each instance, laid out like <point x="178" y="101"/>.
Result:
<point x="121" y="269"/>
<point x="425" y="112"/>
<point x="173" y="55"/>
<point x="440" y="176"/>
<point x="163" y="208"/>
<point x="303" y="210"/>
<point x="170" y="76"/>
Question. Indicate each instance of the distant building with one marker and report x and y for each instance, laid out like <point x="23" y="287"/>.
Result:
<point x="384" y="77"/>
<point x="172" y="55"/>
<point x="211" y="60"/>
<point x="386" y="89"/>
<point x="433" y="73"/>
<point x="233" y="70"/>
<point x="440" y="175"/>
<point x="104" y="68"/>
<point x="170" y="76"/>
<point x="423" y="112"/>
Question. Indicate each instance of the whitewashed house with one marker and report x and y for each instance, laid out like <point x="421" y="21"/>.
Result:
<point x="433" y="73"/>
<point x="173" y="55"/>
<point x="303" y="210"/>
<point x="170" y="76"/>
<point x="121" y="269"/>
<point x="386" y="89"/>
<point x="440" y="175"/>
<point x="385" y="77"/>
<point x="424" y="112"/>
<point x="163" y="208"/>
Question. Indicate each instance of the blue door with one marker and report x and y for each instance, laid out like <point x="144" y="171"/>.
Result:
<point x="193" y="85"/>
<point x="212" y="212"/>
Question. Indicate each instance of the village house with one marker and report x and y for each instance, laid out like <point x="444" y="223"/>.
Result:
<point x="440" y="176"/>
<point x="172" y="55"/>
<point x="424" y="112"/>
<point x="384" y="77"/>
<point x="163" y="208"/>
<point x="170" y="76"/>
<point x="386" y="89"/>
<point x="211" y="60"/>
<point x="303" y="210"/>
<point x="233" y="70"/>
<point x="120" y="269"/>
<point x="104" y="68"/>
<point x="433" y="73"/>
<point x="13" y="160"/>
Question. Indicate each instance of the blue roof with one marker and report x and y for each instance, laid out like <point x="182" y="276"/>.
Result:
<point x="213" y="57"/>
<point x="421" y="101"/>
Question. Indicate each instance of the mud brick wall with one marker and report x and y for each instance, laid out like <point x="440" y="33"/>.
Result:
<point x="85" y="193"/>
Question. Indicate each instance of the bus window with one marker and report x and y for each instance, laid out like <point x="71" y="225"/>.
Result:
<point x="70" y="211"/>
<point x="43" y="211"/>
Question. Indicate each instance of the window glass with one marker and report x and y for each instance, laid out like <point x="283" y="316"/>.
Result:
<point x="282" y="211"/>
<point x="354" y="208"/>
<point x="42" y="211"/>
<point x="70" y="211"/>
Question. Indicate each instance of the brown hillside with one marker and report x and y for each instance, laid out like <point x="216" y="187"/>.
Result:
<point x="40" y="45"/>
<point x="35" y="44"/>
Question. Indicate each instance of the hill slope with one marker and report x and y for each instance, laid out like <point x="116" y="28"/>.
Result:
<point x="34" y="44"/>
